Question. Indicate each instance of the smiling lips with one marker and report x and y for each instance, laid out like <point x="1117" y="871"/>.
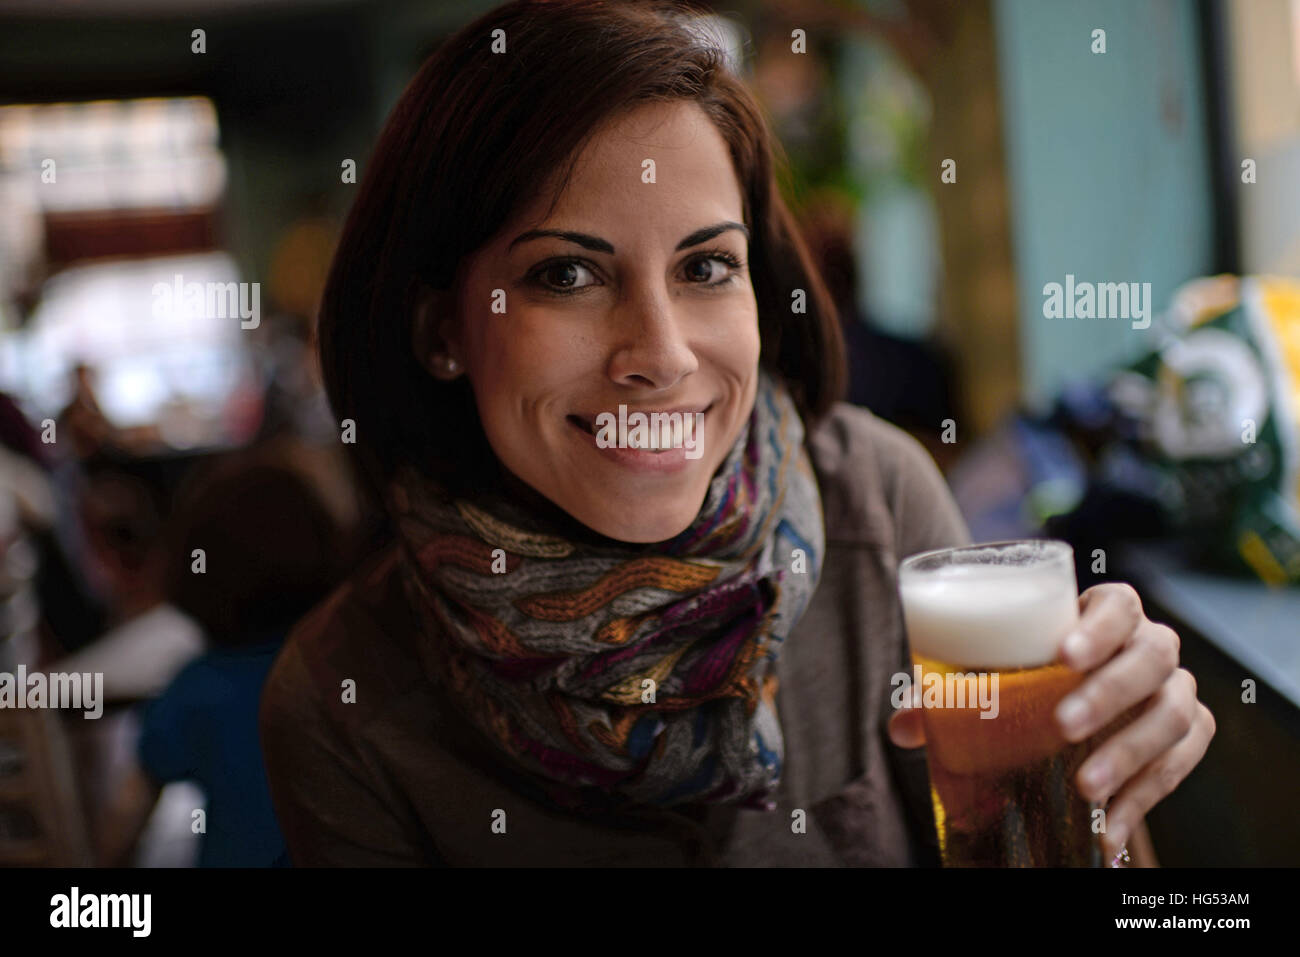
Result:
<point x="588" y="422"/>
<point x="666" y="458"/>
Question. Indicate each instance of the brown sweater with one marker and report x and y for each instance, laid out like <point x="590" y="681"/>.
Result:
<point x="394" y="778"/>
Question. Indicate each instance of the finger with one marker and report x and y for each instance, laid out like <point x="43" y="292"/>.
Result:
<point x="1131" y="676"/>
<point x="1170" y="717"/>
<point x="1109" y="614"/>
<point x="1154" y="782"/>
<point x="906" y="729"/>
<point x="905" y="725"/>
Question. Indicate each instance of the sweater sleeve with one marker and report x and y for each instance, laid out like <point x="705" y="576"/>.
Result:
<point x="332" y="809"/>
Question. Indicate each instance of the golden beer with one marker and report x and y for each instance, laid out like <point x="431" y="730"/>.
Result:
<point x="1002" y="784"/>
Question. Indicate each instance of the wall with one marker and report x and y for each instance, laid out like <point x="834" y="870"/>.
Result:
<point x="1107" y="167"/>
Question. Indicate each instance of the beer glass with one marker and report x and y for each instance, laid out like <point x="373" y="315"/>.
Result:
<point x="985" y="624"/>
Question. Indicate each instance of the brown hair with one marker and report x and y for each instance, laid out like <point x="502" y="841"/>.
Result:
<point x="478" y="134"/>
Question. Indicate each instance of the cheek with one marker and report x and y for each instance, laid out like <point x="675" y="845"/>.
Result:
<point x="752" y="340"/>
<point x="523" y="342"/>
<point x="736" y="345"/>
<point x="516" y="365"/>
<point x="496" y="353"/>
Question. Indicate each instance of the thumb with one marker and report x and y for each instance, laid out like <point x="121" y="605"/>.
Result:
<point x="905" y="727"/>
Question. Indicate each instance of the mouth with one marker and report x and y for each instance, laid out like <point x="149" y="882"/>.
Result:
<point x="587" y="423"/>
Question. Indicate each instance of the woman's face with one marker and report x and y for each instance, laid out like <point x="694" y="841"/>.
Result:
<point x="645" y="303"/>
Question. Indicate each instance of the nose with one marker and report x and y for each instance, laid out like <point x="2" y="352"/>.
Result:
<point x="653" y="347"/>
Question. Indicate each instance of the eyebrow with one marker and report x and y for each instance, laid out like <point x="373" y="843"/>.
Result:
<point x="596" y="244"/>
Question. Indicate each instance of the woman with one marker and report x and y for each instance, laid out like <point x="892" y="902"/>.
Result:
<point x="577" y="654"/>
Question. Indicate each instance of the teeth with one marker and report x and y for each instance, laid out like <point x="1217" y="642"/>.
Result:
<point x="654" y="442"/>
<point x="670" y="434"/>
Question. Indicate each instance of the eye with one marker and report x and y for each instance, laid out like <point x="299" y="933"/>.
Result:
<point x="717" y="267"/>
<point x="562" y="276"/>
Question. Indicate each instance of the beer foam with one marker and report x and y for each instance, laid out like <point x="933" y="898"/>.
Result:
<point x="989" y="616"/>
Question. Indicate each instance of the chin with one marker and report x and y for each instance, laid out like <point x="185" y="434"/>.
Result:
<point x="641" y="524"/>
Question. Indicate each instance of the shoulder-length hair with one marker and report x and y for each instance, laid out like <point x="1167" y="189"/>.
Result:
<point x="476" y="135"/>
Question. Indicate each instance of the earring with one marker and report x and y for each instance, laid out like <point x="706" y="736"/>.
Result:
<point x="446" y="365"/>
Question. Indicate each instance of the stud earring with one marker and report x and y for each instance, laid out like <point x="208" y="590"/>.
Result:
<point x="446" y="365"/>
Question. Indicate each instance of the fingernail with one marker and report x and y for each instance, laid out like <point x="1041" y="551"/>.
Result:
<point x="1071" y="713"/>
<point x="1075" y="645"/>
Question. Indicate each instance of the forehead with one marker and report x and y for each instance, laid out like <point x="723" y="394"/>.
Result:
<point x="693" y="173"/>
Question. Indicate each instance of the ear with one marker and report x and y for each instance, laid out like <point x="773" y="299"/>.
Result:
<point x="434" y="332"/>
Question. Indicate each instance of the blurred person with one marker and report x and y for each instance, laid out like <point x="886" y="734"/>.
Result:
<point x="255" y="545"/>
<point x="26" y="504"/>
<point x="82" y="419"/>
<point x="499" y="651"/>
<point x="148" y="639"/>
<point x="70" y="586"/>
<point x="43" y="484"/>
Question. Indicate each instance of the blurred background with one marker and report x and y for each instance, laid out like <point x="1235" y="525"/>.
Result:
<point x="948" y="161"/>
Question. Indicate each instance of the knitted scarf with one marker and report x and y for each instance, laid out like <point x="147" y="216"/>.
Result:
<point x="623" y="674"/>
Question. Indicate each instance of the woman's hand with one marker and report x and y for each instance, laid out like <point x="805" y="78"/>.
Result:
<point x="1132" y="665"/>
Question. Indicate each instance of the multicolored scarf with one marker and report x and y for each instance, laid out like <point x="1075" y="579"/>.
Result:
<point x="643" y="673"/>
